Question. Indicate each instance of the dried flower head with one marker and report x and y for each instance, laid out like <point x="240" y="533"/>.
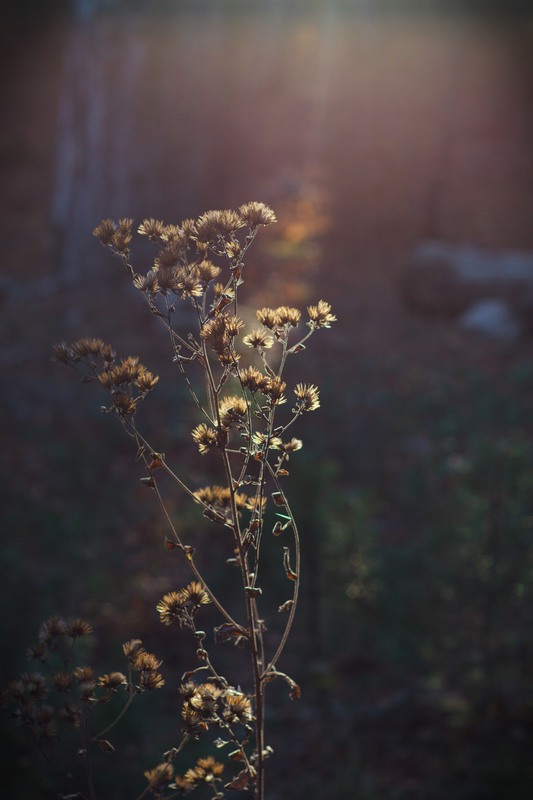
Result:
<point x="34" y="684"/>
<point x="320" y="315"/>
<point x="207" y="271"/>
<point x="238" y="707"/>
<point x="254" y="214"/>
<point x="122" y="236"/>
<point x="252" y="379"/>
<point x="152" y="228"/>
<point x="308" y="398"/>
<point x="170" y="607"/>
<point x="288" y="315"/>
<point x="160" y="776"/>
<point x="205" y="437"/>
<point x="293" y="445"/>
<point x="112" y="681"/>
<point x="105" y="231"/>
<point x="269" y="318"/>
<point x="78" y="627"/>
<point x="51" y="629"/>
<point x="195" y="595"/>
<point x="62" y="680"/>
<point x="214" y="224"/>
<point x="233" y="411"/>
<point x="258" y="339"/>
<point x="219" y="497"/>
<point x="207" y="768"/>
<point x="274" y="390"/>
<point x="131" y="648"/>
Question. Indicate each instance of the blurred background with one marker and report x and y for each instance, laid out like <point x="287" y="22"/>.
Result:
<point x="393" y="139"/>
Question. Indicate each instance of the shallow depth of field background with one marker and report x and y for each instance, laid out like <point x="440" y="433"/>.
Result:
<point x="369" y="127"/>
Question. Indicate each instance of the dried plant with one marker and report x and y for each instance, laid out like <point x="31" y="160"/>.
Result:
<point x="201" y="263"/>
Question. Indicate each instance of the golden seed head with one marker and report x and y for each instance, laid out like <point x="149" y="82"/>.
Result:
<point x="320" y="316"/>
<point x="105" y="231"/>
<point x="254" y="214"/>
<point x="112" y="680"/>
<point x="205" y="437"/>
<point x="269" y="318"/>
<point x="288" y="315"/>
<point x="131" y="648"/>
<point x="78" y="627"/>
<point x="170" y="607"/>
<point x="258" y="339"/>
<point x="160" y="776"/>
<point x="152" y="228"/>
<point x="252" y="379"/>
<point x="308" y="397"/>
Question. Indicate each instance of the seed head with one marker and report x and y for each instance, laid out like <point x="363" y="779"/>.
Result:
<point x="205" y="437"/>
<point x="320" y="316"/>
<point x="254" y="214"/>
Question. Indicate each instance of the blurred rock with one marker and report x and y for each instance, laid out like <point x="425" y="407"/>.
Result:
<point x="493" y="317"/>
<point x="490" y="291"/>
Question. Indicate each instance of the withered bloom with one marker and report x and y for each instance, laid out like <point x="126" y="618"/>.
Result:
<point x="233" y="411"/>
<point x="219" y="496"/>
<point x="112" y="680"/>
<point x="238" y="707"/>
<point x="219" y="333"/>
<point x="78" y="627"/>
<point x="160" y="776"/>
<point x="62" y="680"/>
<point x="320" y="316"/>
<point x="61" y="352"/>
<point x="105" y="231"/>
<point x="207" y="271"/>
<point x="146" y="665"/>
<point x="145" y="380"/>
<point x="122" y="236"/>
<point x="261" y="439"/>
<point x="51" y="629"/>
<point x="34" y="684"/>
<point x="152" y="228"/>
<point x="132" y="648"/>
<point x="258" y="339"/>
<point x="252" y="379"/>
<point x="205" y="437"/>
<point x="170" y="607"/>
<point x="269" y="318"/>
<point x="308" y="399"/>
<point x="195" y="595"/>
<point x="288" y="315"/>
<point x="123" y="404"/>
<point x="213" y="224"/>
<point x="293" y="445"/>
<point x="274" y="390"/>
<point x="203" y="703"/>
<point x="146" y="661"/>
<point x="254" y="214"/>
<point x="207" y="768"/>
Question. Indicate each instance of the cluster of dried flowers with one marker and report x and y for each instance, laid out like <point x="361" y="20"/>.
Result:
<point x="67" y="693"/>
<point x="201" y="262"/>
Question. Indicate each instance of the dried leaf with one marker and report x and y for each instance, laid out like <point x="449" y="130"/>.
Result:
<point x="227" y="631"/>
<point x="240" y="781"/>
<point x="295" y="692"/>
<point x="291" y="575"/>
<point x="170" y="545"/>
